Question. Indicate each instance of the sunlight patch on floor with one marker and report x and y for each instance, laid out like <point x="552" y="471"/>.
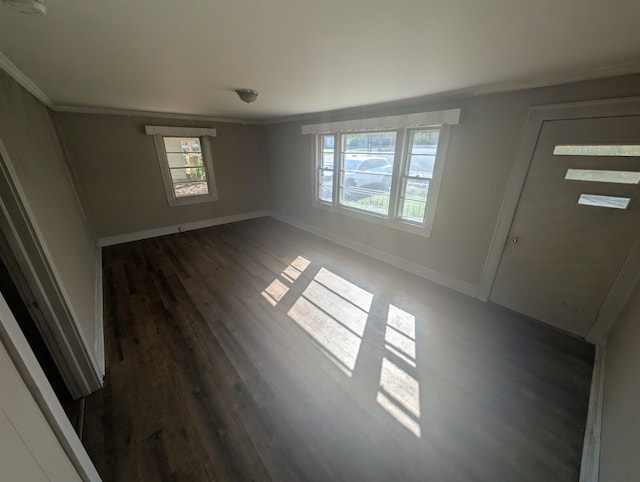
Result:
<point x="399" y="392"/>
<point x="277" y="289"/>
<point x="334" y="313"/>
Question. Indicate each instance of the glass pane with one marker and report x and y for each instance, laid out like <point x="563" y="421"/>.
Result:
<point x="325" y="188"/>
<point x="190" y="189"/>
<point x="328" y="153"/>
<point x="371" y="200"/>
<point x="415" y="200"/>
<point x="421" y="165"/>
<point x="182" y="144"/>
<point x="325" y="193"/>
<point x="367" y="167"/>
<point x="596" y="150"/>
<point x="182" y="160"/>
<point x="619" y="177"/>
<point x="604" y="201"/>
<point x="188" y="174"/>
<point x="369" y="144"/>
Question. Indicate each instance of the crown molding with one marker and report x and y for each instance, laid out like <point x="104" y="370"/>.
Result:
<point x="143" y="113"/>
<point x="20" y="77"/>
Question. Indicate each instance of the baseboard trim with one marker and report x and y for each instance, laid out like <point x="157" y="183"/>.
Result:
<point x="178" y="228"/>
<point x="461" y="286"/>
<point x="590" y="465"/>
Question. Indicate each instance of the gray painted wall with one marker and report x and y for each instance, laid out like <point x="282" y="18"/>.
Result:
<point x="29" y="136"/>
<point x="620" y="443"/>
<point x="481" y="153"/>
<point x="119" y="177"/>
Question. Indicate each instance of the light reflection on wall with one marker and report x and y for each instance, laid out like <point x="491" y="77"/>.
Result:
<point x="334" y="312"/>
<point x="399" y="391"/>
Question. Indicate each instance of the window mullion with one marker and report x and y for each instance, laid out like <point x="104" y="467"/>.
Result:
<point x="397" y="180"/>
<point x="337" y="166"/>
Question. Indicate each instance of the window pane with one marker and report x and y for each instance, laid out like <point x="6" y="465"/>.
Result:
<point x="327" y="144"/>
<point x="188" y="174"/>
<point x="367" y="168"/>
<point x="421" y="165"/>
<point x="190" y="189"/>
<point x="326" y="163"/>
<point x="595" y="150"/>
<point x="415" y="200"/>
<point x="619" y="177"/>
<point x="604" y="201"/>
<point x="182" y="160"/>
<point x="325" y="188"/>
<point x="369" y="144"/>
<point x="371" y="200"/>
<point x="182" y="144"/>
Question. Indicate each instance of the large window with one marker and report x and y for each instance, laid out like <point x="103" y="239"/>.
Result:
<point x="186" y="163"/>
<point x="389" y="175"/>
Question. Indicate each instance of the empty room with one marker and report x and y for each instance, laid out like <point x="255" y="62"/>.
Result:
<point x="319" y="241"/>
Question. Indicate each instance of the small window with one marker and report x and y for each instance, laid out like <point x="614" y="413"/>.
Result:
<point x="597" y="150"/>
<point x="597" y="200"/>
<point x="186" y="163"/>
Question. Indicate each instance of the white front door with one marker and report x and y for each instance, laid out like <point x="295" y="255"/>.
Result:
<point x="577" y="220"/>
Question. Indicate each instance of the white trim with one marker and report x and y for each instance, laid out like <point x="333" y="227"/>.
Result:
<point x="178" y="228"/>
<point x="98" y="347"/>
<point x="180" y="131"/>
<point x="13" y="340"/>
<point x="590" y="465"/>
<point x="79" y="109"/>
<point x="16" y="74"/>
<point x="421" y="119"/>
<point x="456" y="284"/>
<point x="537" y="116"/>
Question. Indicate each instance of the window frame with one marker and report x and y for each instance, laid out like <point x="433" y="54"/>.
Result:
<point x="400" y="172"/>
<point x="204" y="135"/>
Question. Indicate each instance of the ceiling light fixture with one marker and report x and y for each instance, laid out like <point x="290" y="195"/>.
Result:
<point x="29" y="7"/>
<point x="247" y="95"/>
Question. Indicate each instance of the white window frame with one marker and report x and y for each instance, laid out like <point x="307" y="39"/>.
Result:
<point x="404" y="126"/>
<point x="204" y="135"/>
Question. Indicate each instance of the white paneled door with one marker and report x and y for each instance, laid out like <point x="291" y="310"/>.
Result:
<point x="576" y="223"/>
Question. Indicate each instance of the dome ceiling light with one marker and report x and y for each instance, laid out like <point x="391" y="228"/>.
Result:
<point x="247" y="95"/>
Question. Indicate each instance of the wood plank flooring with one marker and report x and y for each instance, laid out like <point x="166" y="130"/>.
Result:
<point x="254" y="351"/>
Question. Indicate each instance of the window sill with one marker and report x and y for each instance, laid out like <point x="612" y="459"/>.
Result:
<point x="423" y="231"/>
<point x="186" y="200"/>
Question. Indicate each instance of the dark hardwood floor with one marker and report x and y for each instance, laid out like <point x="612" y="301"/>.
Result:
<point x="254" y="351"/>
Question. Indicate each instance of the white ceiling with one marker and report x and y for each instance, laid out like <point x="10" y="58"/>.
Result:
<point x="187" y="56"/>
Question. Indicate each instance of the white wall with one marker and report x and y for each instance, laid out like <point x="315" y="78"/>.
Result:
<point x="120" y="181"/>
<point x="620" y="442"/>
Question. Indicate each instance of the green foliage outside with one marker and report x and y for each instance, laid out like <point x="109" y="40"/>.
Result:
<point x="195" y="169"/>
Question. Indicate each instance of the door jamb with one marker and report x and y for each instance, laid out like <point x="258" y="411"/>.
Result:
<point x="48" y="302"/>
<point x="13" y="340"/>
<point x="625" y="282"/>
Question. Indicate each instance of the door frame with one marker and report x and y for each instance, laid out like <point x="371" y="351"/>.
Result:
<point x="36" y="278"/>
<point x="629" y="274"/>
<point x="20" y="353"/>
